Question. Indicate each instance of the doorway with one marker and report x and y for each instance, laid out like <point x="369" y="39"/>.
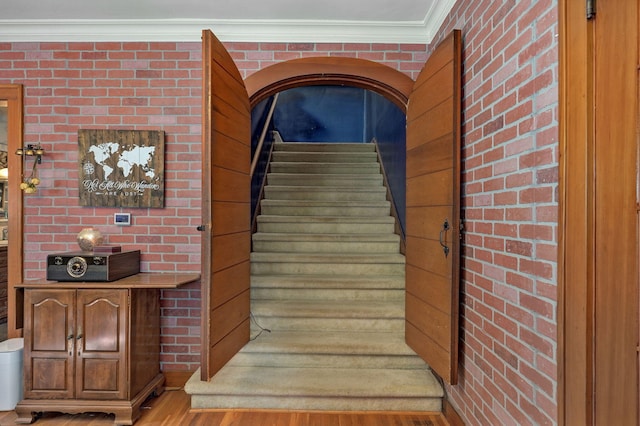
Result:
<point x="11" y="96"/>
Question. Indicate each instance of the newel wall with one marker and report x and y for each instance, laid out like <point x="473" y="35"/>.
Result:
<point x="510" y="168"/>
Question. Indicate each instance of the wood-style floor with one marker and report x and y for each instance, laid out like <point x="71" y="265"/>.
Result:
<point x="171" y="408"/>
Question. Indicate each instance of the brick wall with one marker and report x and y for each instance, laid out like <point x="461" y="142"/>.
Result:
<point x="508" y="348"/>
<point x="510" y="172"/>
<point x="71" y="86"/>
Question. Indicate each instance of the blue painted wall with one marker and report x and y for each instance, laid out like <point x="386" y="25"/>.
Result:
<point x="341" y="114"/>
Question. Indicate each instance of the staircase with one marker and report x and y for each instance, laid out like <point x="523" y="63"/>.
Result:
<point x="327" y="295"/>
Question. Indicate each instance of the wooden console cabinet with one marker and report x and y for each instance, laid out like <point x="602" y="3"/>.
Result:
<point x="93" y="347"/>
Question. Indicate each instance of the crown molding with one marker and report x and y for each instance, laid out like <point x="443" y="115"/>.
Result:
<point x="291" y="31"/>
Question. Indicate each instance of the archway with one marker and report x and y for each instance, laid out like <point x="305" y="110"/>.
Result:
<point x="362" y="73"/>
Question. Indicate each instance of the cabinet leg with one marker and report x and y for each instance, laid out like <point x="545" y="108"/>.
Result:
<point x="26" y="416"/>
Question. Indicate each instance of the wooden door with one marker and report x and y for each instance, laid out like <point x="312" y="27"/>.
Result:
<point x="101" y="345"/>
<point x="49" y="344"/>
<point x="598" y="218"/>
<point x="226" y="207"/>
<point x="433" y="209"/>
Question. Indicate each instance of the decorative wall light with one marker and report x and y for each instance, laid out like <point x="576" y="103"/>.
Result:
<point x="29" y="183"/>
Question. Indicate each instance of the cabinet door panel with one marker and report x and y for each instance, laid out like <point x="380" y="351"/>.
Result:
<point x="48" y="344"/>
<point x="101" y="368"/>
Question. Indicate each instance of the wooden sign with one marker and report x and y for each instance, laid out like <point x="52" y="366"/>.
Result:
<point x="121" y="168"/>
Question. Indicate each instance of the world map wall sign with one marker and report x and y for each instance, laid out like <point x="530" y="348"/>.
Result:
<point x="121" y="168"/>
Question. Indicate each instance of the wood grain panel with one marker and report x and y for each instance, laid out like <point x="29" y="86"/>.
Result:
<point x="427" y="348"/>
<point x="428" y="255"/>
<point x="438" y="291"/>
<point x="230" y="154"/>
<point x="229" y="251"/>
<point x="227" y="283"/>
<point x="228" y="316"/>
<point x="225" y="178"/>
<point x="426" y="221"/>
<point x="433" y="124"/>
<point x="598" y="271"/>
<point x="430" y="321"/>
<point x="440" y="78"/>
<point x="230" y="344"/>
<point x="433" y="189"/>
<point x="230" y="185"/>
<point x="430" y="156"/>
<point x="430" y="189"/>
<point x="615" y="183"/>
<point x="228" y="217"/>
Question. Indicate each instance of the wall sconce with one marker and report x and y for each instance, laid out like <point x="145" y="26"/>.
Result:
<point x="30" y="182"/>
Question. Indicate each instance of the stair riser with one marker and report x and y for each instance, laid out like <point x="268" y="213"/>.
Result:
<point x="327" y="283"/>
<point x="324" y="211"/>
<point x="339" y="403"/>
<point x="319" y="195"/>
<point x="325" y="168"/>
<point x="328" y="324"/>
<point x="366" y="181"/>
<point x="325" y="247"/>
<point x="328" y="294"/>
<point x="325" y="157"/>
<point x="302" y="268"/>
<point x="326" y="361"/>
<point x="325" y="228"/>
<point x="323" y="147"/>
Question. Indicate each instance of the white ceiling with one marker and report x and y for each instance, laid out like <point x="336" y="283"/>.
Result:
<point x="380" y="21"/>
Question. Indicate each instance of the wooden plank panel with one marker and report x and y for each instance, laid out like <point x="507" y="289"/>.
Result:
<point x="230" y="185"/>
<point x="430" y="156"/>
<point x="231" y="154"/>
<point x="426" y="222"/>
<point x="438" y="291"/>
<point x="430" y="189"/>
<point x="431" y="321"/>
<point x="229" y="345"/>
<point x="432" y="85"/>
<point x="229" y="217"/>
<point x="433" y="190"/>
<point x="229" y="250"/>
<point x="226" y="186"/>
<point x="228" y="316"/>
<point x="615" y="231"/>
<point x="431" y="125"/>
<point x="226" y="283"/>
<point x="439" y="358"/>
<point x="428" y="255"/>
<point x="222" y="119"/>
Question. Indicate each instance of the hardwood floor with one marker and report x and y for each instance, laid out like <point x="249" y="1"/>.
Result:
<point x="172" y="409"/>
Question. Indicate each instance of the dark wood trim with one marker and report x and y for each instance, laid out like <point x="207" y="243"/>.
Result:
<point x="451" y="414"/>
<point x="362" y="73"/>
<point x="176" y="379"/>
<point x="598" y="228"/>
<point x="14" y="94"/>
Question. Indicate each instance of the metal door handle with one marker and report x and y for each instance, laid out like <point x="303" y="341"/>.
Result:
<point x="445" y="228"/>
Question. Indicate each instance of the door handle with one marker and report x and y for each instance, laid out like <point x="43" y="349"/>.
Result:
<point x="445" y="228"/>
